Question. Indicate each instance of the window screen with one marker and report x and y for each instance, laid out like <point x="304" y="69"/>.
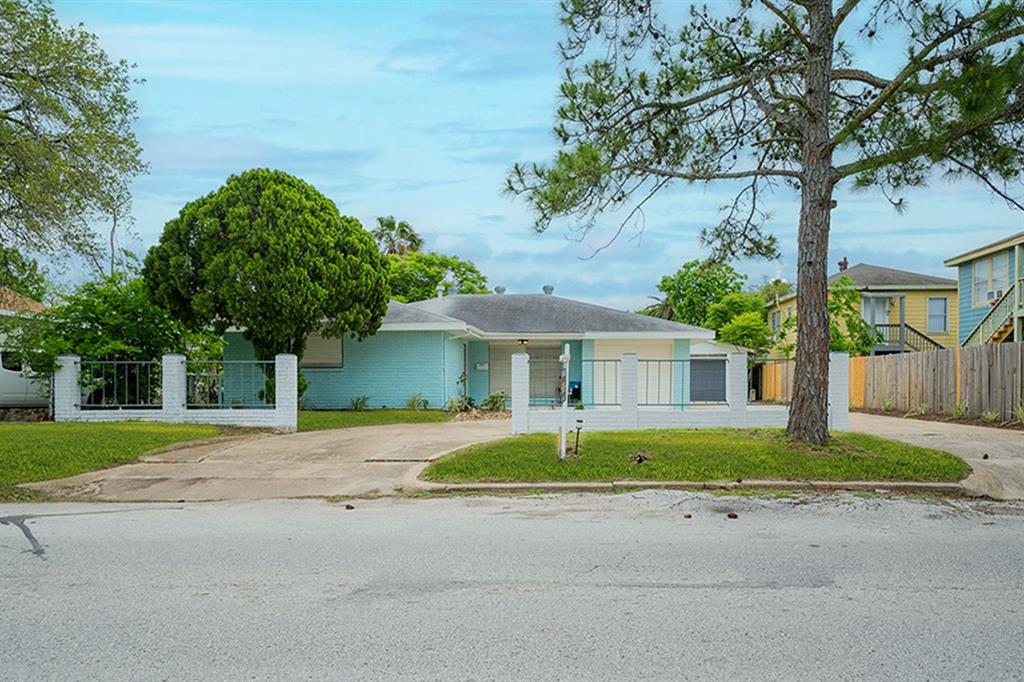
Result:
<point x="322" y="352"/>
<point x="938" y="315"/>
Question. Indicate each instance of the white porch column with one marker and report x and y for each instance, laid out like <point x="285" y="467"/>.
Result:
<point x="839" y="391"/>
<point x="736" y="383"/>
<point x="520" y="387"/>
<point x="173" y="391"/>
<point x="66" y="393"/>
<point x="286" y="392"/>
<point x="629" y="389"/>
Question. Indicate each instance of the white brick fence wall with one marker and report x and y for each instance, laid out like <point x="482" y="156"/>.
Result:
<point x="282" y="416"/>
<point x="629" y="416"/>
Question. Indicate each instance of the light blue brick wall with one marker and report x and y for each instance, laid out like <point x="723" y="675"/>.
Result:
<point x="454" y="364"/>
<point x="243" y="383"/>
<point x="479" y="379"/>
<point x="388" y="368"/>
<point x="970" y="315"/>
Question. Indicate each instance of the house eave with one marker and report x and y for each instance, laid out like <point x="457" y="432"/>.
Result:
<point x="994" y="247"/>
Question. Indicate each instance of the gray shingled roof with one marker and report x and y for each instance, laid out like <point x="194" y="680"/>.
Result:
<point x="404" y="313"/>
<point x="864" y="275"/>
<point x="543" y="314"/>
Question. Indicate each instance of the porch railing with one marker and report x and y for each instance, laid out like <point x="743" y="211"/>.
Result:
<point x="675" y="383"/>
<point x="906" y="336"/>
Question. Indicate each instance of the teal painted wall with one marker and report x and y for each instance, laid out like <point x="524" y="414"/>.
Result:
<point x="970" y="315"/>
<point x="587" y="371"/>
<point x="454" y="364"/>
<point x="575" y="360"/>
<point x="681" y="379"/>
<point x="243" y="383"/>
<point x="387" y="368"/>
<point x="479" y="379"/>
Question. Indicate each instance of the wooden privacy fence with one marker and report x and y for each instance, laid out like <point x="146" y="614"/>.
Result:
<point x="986" y="378"/>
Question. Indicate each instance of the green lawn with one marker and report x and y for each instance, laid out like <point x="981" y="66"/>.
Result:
<point x="44" y="450"/>
<point x="697" y="455"/>
<point x="318" y="420"/>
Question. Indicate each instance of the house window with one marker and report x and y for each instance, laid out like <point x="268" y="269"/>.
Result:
<point x="10" y="361"/>
<point x="990" y="276"/>
<point x="938" y="314"/>
<point x="323" y="352"/>
<point x="789" y="312"/>
<point x="776" y="320"/>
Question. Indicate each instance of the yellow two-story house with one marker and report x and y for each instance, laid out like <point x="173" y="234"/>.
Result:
<point x="911" y="311"/>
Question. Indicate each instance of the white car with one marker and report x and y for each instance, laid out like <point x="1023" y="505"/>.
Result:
<point x="16" y="389"/>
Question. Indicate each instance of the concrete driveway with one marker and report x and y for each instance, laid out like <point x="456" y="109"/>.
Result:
<point x="1000" y="476"/>
<point x="358" y="461"/>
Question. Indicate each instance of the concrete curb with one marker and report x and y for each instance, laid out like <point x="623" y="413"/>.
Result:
<point x="411" y="483"/>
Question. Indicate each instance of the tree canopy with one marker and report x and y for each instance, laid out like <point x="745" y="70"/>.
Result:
<point x="396" y="236"/>
<point x="21" y="274"/>
<point x="849" y="332"/>
<point x="781" y="93"/>
<point x="696" y="286"/>
<point x="733" y="304"/>
<point x="271" y="255"/>
<point x="107" y="319"/>
<point x="416" y="276"/>
<point x="65" y="130"/>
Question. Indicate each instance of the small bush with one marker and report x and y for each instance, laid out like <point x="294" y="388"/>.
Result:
<point x="888" y="405"/>
<point x="959" y="410"/>
<point x="495" y="402"/>
<point x="1018" y="412"/>
<point x="417" y="402"/>
<point x="919" y="410"/>
<point x="579" y="405"/>
<point x="360" y="403"/>
<point x="460" y="403"/>
<point x="990" y="417"/>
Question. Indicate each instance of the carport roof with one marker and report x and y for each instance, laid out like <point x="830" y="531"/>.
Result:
<point x="511" y="315"/>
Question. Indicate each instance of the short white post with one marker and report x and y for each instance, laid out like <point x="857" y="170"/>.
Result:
<point x="286" y="392"/>
<point x="173" y="391"/>
<point x="66" y="394"/>
<point x="839" y="391"/>
<point x="520" y="386"/>
<point x="628" y="392"/>
<point x="736" y="383"/>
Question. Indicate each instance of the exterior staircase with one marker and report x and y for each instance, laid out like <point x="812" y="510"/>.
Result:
<point x="1002" y="321"/>
<point x="903" y="338"/>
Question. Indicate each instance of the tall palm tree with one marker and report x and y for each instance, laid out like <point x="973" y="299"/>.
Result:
<point x="396" y="236"/>
<point x="660" y="308"/>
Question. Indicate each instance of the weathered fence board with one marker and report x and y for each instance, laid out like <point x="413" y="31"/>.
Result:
<point x="988" y="378"/>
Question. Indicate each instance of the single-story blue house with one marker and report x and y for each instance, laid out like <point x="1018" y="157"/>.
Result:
<point x="991" y="291"/>
<point x="463" y="344"/>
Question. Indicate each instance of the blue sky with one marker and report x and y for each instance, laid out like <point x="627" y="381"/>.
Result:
<point x="417" y="109"/>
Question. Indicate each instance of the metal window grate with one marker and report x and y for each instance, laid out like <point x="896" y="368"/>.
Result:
<point x="120" y="384"/>
<point x="229" y="384"/>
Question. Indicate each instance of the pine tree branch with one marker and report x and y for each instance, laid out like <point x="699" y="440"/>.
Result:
<point x="788" y="21"/>
<point x="1003" y="194"/>
<point x="843" y="12"/>
<point x="732" y="175"/>
<point x="861" y="76"/>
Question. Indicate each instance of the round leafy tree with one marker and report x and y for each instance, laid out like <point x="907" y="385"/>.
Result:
<point x="271" y="255"/>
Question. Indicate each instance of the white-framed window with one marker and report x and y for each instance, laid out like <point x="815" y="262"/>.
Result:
<point x="323" y="352"/>
<point x="989" y="276"/>
<point x="938" y="314"/>
<point x="776" y="320"/>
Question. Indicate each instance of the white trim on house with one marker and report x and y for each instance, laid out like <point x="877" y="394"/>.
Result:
<point x="422" y="327"/>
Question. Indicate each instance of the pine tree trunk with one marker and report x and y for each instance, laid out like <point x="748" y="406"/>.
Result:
<point x="808" y="416"/>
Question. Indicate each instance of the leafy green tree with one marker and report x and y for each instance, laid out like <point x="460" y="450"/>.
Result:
<point x="417" y="275"/>
<point x="773" y="290"/>
<point x="769" y="93"/>
<point x="396" y="236"/>
<point x="732" y="305"/>
<point x="848" y="331"/>
<point x="108" y="319"/>
<point x="21" y="274"/>
<point x="747" y="329"/>
<point x="696" y="286"/>
<point x="65" y="130"/>
<point x="271" y="255"/>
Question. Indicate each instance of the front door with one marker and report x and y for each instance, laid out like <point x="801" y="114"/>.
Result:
<point x="875" y="309"/>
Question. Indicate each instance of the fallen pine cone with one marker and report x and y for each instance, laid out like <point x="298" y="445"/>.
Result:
<point x="687" y="515"/>
<point x="731" y="515"/>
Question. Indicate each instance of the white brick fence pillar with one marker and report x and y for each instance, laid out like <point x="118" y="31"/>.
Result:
<point x="173" y="391"/>
<point x="629" y="389"/>
<point x="839" y="391"/>
<point x="520" y="392"/>
<point x="286" y="392"/>
<point x="66" y="394"/>
<point x="736" y="384"/>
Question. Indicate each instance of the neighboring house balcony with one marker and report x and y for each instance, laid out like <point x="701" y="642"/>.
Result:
<point x="1004" y="321"/>
<point x="902" y="338"/>
<point x="895" y="334"/>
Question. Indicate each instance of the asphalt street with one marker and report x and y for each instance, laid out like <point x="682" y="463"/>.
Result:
<point x="529" y="588"/>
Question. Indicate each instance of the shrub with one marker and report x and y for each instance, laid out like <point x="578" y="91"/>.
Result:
<point x="917" y="411"/>
<point x="460" y="403"/>
<point x="579" y="405"/>
<point x="888" y="405"/>
<point x="360" y="403"/>
<point x="1018" y="412"/>
<point x="989" y="416"/>
<point x="495" y="402"/>
<point x="959" y="410"/>
<point x="417" y="402"/>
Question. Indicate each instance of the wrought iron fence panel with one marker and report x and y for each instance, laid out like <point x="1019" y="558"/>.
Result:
<point x="602" y="381"/>
<point x="120" y="384"/>
<point x="229" y="384"/>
